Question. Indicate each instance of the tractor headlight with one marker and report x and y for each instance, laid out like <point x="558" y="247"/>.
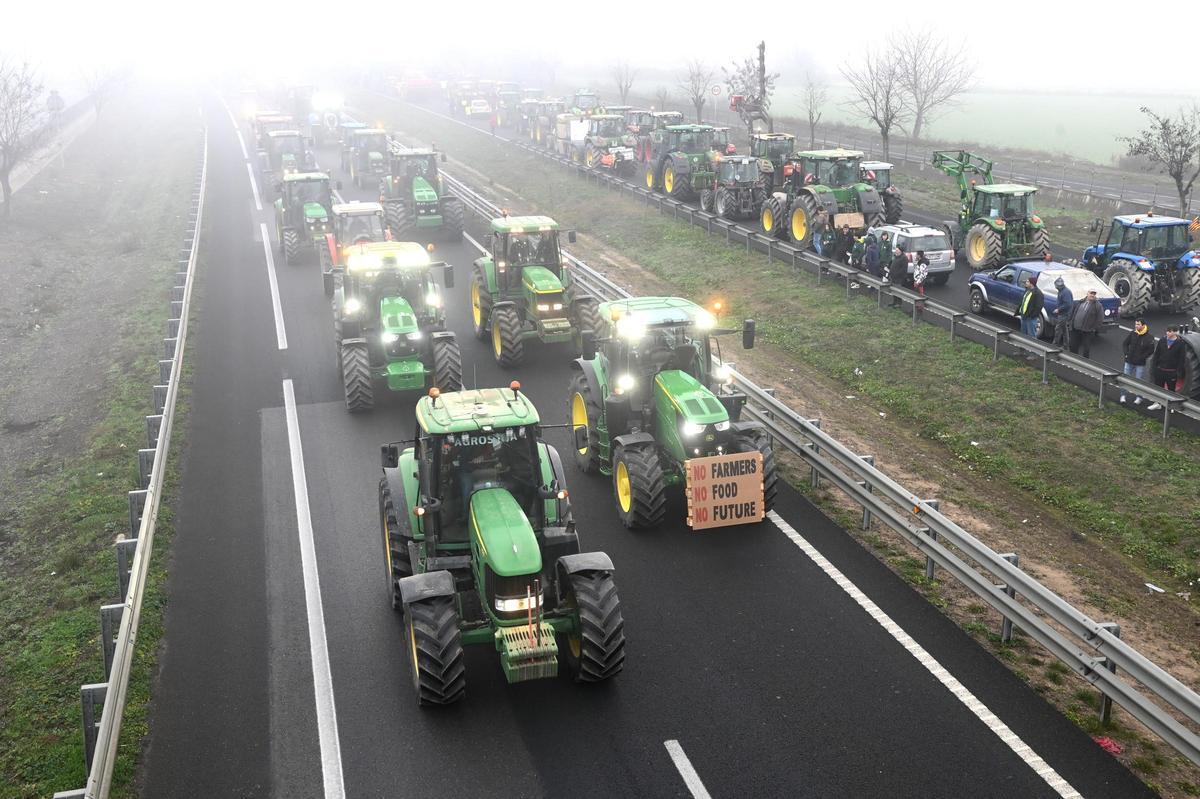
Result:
<point x="691" y="429"/>
<point x="416" y="335"/>
<point x="389" y="338"/>
<point x="723" y="374"/>
<point x="501" y="265"/>
<point x="630" y="328"/>
<point x="518" y="603"/>
<point x="721" y="427"/>
<point x="705" y="321"/>
<point x="543" y="306"/>
<point x="352" y="306"/>
<point x="433" y="300"/>
<point x="624" y="383"/>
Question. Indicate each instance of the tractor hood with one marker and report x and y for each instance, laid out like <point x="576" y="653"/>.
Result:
<point x="540" y="280"/>
<point x="422" y="191"/>
<point x="396" y="316"/>
<point x="314" y="212"/>
<point x="694" y="402"/>
<point x="503" y="533"/>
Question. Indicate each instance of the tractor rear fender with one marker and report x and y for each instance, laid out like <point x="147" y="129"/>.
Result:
<point x="640" y="439"/>
<point x="585" y="562"/>
<point x="824" y="200"/>
<point x="869" y="201"/>
<point x="681" y="164"/>
<point x="332" y="247"/>
<point x="420" y="587"/>
<point x="395" y="481"/>
<point x="558" y="512"/>
<point x="502" y="304"/>
<point x="594" y="379"/>
<point x="488" y="267"/>
<point x="742" y="428"/>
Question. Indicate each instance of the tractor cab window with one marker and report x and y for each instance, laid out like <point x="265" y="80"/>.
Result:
<point x="882" y="178"/>
<point x="1166" y="241"/>
<point x="478" y="460"/>
<point x="606" y="127"/>
<point x="1115" y="234"/>
<point x="1014" y="207"/>
<point x="842" y="173"/>
<point x="311" y="191"/>
<point x="778" y="150"/>
<point x="665" y="348"/>
<point x="739" y="171"/>
<point x="720" y="139"/>
<point x="374" y="143"/>
<point x="814" y="171"/>
<point x="986" y="205"/>
<point x="525" y="249"/>
<point x="586" y="101"/>
<point x="289" y="144"/>
<point x="361" y="227"/>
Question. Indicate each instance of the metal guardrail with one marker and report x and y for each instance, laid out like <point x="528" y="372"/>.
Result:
<point x="101" y="736"/>
<point x="1093" y="650"/>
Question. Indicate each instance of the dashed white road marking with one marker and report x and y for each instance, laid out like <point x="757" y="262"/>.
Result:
<point x="980" y="710"/>
<point x="690" y="778"/>
<point x="276" y="305"/>
<point x="254" y="188"/>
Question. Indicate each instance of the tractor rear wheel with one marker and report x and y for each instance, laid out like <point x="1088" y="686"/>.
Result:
<point x="802" y="221"/>
<point x="447" y="364"/>
<point x="597" y="651"/>
<point x="1191" y="372"/>
<point x="481" y="306"/>
<point x="983" y="247"/>
<point x="649" y="180"/>
<point x="639" y="487"/>
<point x="723" y="204"/>
<point x="1188" y="295"/>
<point x="772" y="215"/>
<point x="452" y="219"/>
<point x="1040" y="243"/>
<point x="585" y="412"/>
<point x="759" y="440"/>
<point x="395" y="549"/>
<point x="399" y="219"/>
<point x="291" y="246"/>
<point x="591" y="157"/>
<point x="707" y="200"/>
<point x="439" y="673"/>
<point x="507" y="346"/>
<point x="675" y="185"/>
<point x="356" y="377"/>
<point x="1131" y="284"/>
<point x="893" y="208"/>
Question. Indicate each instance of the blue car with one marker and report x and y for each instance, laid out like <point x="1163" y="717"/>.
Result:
<point x="1003" y="288"/>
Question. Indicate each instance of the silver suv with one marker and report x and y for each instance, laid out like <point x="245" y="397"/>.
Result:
<point x="912" y="238"/>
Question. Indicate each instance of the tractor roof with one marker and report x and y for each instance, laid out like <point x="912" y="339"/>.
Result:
<point x="1005" y="188"/>
<point x="474" y="410"/>
<point x="1140" y="221"/>
<point x="357" y="208"/>
<point x="302" y="177"/>
<point x="523" y="224"/>
<point x="739" y="159"/>
<point x="402" y="152"/>
<point x="651" y="311"/>
<point x="272" y="116"/>
<point x="606" y="116"/>
<point x="668" y="114"/>
<point x="279" y="134"/>
<point x="352" y="125"/>
<point x="774" y="136"/>
<point x="876" y="165"/>
<point x="618" y="109"/>
<point x="367" y="131"/>
<point x="689" y="128"/>
<point x="379" y="255"/>
<point x="831" y="155"/>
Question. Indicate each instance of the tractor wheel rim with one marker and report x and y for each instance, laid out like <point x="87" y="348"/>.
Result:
<point x="669" y="179"/>
<point x="978" y="248"/>
<point x="799" y="224"/>
<point x="649" y="179"/>
<point x="624" y="492"/>
<point x="579" y="416"/>
<point x="476" y="310"/>
<point x="412" y="643"/>
<point x="497" y="340"/>
<point x="768" y="220"/>
<point x="1120" y="287"/>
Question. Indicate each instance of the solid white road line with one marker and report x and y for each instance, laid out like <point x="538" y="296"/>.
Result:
<point x="471" y="239"/>
<point x="254" y="188"/>
<point x="327" y="730"/>
<point x="690" y="778"/>
<point x="980" y="710"/>
<point x="276" y="305"/>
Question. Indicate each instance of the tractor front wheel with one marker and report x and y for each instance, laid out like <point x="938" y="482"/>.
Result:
<point x="596" y="651"/>
<point x="447" y="364"/>
<point x="395" y="551"/>
<point x="707" y="200"/>
<point x="649" y="179"/>
<point x="1188" y="296"/>
<point x="481" y="306"/>
<point x="760" y="441"/>
<point x="585" y="412"/>
<point x="356" y="377"/>
<point x="893" y="208"/>
<point x="439" y="673"/>
<point x="1040" y="241"/>
<point x="399" y="220"/>
<point x="983" y="247"/>
<point x="507" y="346"/>
<point x="452" y="219"/>
<point x="1130" y="284"/>
<point x="639" y="487"/>
<point x="772" y="216"/>
<point x="291" y="246"/>
<point x="587" y="315"/>
<point x="802" y="221"/>
<point x="722" y="204"/>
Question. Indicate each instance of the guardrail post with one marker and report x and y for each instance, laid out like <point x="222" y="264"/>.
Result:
<point x="169" y="347"/>
<point x="76" y="794"/>
<point x="930" y="565"/>
<point x="918" y="309"/>
<point x="1168" y="407"/>
<point x="160" y="398"/>
<point x="879" y="295"/>
<point x="153" y="425"/>
<point x="181" y="279"/>
<point x="164" y="371"/>
<point x="137" y="504"/>
<point x="145" y="466"/>
<point x="1104" y="379"/>
<point x="1046" y="365"/>
<point x="998" y="337"/>
<point x="110" y="621"/>
<point x="90" y="697"/>
<point x="820" y="272"/>
<point x="815" y="477"/>
<point x="866" y="518"/>
<point x="954" y="317"/>
<point x="172" y="328"/>
<point x="1006" y="625"/>
<point x="1105" y="699"/>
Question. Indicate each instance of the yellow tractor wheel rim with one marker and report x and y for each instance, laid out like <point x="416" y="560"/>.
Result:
<point x="476" y="310"/>
<point x="579" y="416"/>
<point x="978" y="248"/>
<point x="624" y="492"/>
<point x="497" y="341"/>
<point x="768" y="220"/>
<point x="669" y="179"/>
<point x="412" y="640"/>
<point x="799" y="224"/>
<point x="649" y="178"/>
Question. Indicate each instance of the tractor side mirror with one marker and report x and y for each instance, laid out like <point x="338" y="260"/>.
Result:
<point x="390" y="456"/>
<point x="570" y="236"/>
<point x="581" y="437"/>
<point x="748" y="331"/>
<point x="587" y="349"/>
<point x="551" y="491"/>
<point x="448" y="276"/>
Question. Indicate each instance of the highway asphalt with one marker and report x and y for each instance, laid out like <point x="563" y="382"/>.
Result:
<point x="770" y="676"/>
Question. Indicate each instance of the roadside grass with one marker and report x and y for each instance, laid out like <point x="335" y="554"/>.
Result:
<point x="1103" y="474"/>
<point x="58" y="564"/>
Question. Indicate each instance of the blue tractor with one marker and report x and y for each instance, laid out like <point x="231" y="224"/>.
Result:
<point x="1148" y="259"/>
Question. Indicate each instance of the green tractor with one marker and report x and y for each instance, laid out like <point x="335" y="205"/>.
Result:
<point x="996" y="222"/>
<point x="284" y="154"/>
<point x="414" y="200"/>
<point x="541" y="126"/>
<point x="679" y="160"/>
<point x="520" y="290"/>
<point x="481" y="548"/>
<point x="824" y="187"/>
<point x="365" y="155"/>
<point x="302" y="213"/>
<point x="646" y="403"/>
<point x="389" y="322"/>
<point x="879" y="175"/>
<point x="354" y="224"/>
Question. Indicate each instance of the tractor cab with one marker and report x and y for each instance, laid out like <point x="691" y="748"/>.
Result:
<point x="1003" y="201"/>
<point x="585" y="102"/>
<point x="664" y="119"/>
<point x="773" y="147"/>
<point x="521" y="243"/>
<point x="391" y="284"/>
<point x="620" y="110"/>
<point x="721" y="142"/>
<point x="346" y="130"/>
<point x="265" y="123"/>
<point x="606" y="126"/>
<point x="835" y="168"/>
<point x="1149" y="236"/>
<point x="531" y="94"/>
<point x="365" y="154"/>
<point x="354" y="224"/>
<point x="639" y="121"/>
<point x="409" y="166"/>
<point x="687" y="139"/>
<point x="737" y="170"/>
<point x="877" y="173"/>
<point x="307" y="201"/>
<point x="1148" y="259"/>
<point x="286" y="152"/>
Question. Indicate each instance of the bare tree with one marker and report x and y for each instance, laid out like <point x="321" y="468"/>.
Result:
<point x="99" y="81"/>
<point x="933" y="72"/>
<point x="751" y="80"/>
<point x="623" y="75"/>
<point x="22" y="121"/>
<point x="1173" y="144"/>
<point x="662" y="96"/>
<point x="878" y="93"/>
<point x="696" y="84"/>
<point x="815" y="95"/>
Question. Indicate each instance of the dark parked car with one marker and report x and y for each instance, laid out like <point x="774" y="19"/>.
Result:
<point x="1003" y="289"/>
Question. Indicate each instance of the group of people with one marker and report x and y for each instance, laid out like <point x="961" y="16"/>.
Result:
<point x="877" y="255"/>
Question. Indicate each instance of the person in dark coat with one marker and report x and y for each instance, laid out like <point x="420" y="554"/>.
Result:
<point x="1168" y="362"/>
<point x="1030" y="309"/>
<point x="1064" y="305"/>
<point x="856" y="253"/>
<point x="897" y="270"/>
<point x="871" y="256"/>
<point x="1138" y="347"/>
<point x="1085" y="324"/>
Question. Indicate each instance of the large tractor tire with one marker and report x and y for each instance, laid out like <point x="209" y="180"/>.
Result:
<point x="447" y="364"/>
<point x="291" y="246"/>
<point x="759" y="440"/>
<point x="675" y="185"/>
<point x="649" y="179"/>
<point x="723" y="203"/>
<point x="802" y="221"/>
<point x="1188" y="294"/>
<point x="435" y="649"/>
<point x="356" y="378"/>
<point x="596" y="651"/>
<point x="395" y="546"/>
<point x="983" y="247"/>
<point x="507" y="346"/>
<point x="585" y="412"/>
<point x="773" y="215"/>
<point x="639" y="487"/>
<point x="452" y="219"/>
<point x="1131" y="284"/>
<point x="400" y="220"/>
<point x="893" y="208"/>
<point x="1191" y="372"/>
<point x="587" y="315"/>
<point x="708" y="200"/>
<point x="1040" y="244"/>
<point x="481" y="306"/>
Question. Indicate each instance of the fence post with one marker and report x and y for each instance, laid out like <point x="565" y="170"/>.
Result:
<point x="815" y="478"/>
<point x="929" y="563"/>
<point x="145" y="467"/>
<point x="110" y="622"/>
<point x="126" y="547"/>
<point x="91" y="696"/>
<point x="1006" y="625"/>
<point x="1105" y="699"/>
<point x="866" y="517"/>
<point x="954" y="317"/>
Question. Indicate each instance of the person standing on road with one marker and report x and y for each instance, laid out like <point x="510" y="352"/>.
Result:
<point x="1138" y="347"/>
<point x="1085" y="324"/>
<point x="1064" y="305"/>
<point x="920" y="275"/>
<point x="871" y="257"/>
<point x="1031" y="307"/>
<point x="1168" y="362"/>
<point x="494" y="121"/>
<point x="856" y="252"/>
<point x="885" y="249"/>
